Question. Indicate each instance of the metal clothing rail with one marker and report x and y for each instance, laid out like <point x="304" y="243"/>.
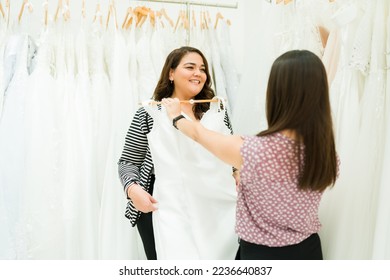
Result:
<point x="194" y="3"/>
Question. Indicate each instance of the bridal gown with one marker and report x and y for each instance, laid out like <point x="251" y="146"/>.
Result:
<point x="100" y="103"/>
<point x="348" y="211"/>
<point x="12" y="146"/>
<point x="62" y="127"/>
<point x="117" y="239"/>
<point x="344" y="97"/>
<point x="195" y="192"/>
<point x="226" y="53"/>
<point x="42" y="197"/>
<point x="381" y="248"/>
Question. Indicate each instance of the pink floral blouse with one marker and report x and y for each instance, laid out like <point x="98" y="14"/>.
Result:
<point x="271" y="210"/>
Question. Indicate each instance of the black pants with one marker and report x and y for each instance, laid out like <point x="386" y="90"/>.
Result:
<point x="145" y="229"/>
<point x="308" y="249"/>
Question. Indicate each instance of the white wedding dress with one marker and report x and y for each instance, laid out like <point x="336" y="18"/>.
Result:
<point x="12" y="148"/>
<point x="195" y="193"/>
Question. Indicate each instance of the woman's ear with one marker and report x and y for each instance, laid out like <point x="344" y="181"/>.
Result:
<point x="171" y="74"/>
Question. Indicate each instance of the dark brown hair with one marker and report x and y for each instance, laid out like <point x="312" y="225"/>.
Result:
<point x="298" y="99"/>
<point x="165" y="88"/>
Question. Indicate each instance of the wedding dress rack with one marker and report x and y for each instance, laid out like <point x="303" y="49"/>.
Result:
<point x="194" y="3"/>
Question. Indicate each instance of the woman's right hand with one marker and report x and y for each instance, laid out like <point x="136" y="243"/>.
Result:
<point x="142" y="200"/>
<point x="172" y="106"/>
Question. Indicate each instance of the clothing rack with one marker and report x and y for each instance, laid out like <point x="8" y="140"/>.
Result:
<point x="194" y="3"/>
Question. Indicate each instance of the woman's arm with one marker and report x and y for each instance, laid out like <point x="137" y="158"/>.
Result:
<point x="133" y="156"/>
<point x="134" y="150"/>
<point x="225" y="147"/>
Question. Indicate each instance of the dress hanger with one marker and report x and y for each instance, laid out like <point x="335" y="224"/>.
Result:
<point x="2" y="10"/>
<point x="165" y="15"/>
<point x="217" y="18"/>
<point x="203" y="20"/>
<point x="64" y="8"/>
<point x="83" y="12"/>
<point x="112" y="10"/>
<point x="193" y="19"/>
<point x="182" y="19"/>
<point x="128" y="17"/>
<point x="59" y="6"/>
<point x="142" y="14"/>
<point x="24" y="4"/>
<point x="208" y="18"/>
<point x="98" y="14"/>
<point x="46" y="7"/>
<point x="8" y="6"/>
<point x="158" y="17"/>
<point x="191" y="101"/>
<point x="152" y="17"/>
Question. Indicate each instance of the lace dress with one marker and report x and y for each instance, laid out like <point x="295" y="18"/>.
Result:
<point x="42" y="197"/>
<point x="357" y="104"/>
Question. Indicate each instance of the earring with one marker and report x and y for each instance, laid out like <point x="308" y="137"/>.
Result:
<point x="171" y="82"/>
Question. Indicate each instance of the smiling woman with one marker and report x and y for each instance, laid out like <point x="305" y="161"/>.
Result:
<point x="188" y="78"/>
<point x="189" y="191"/>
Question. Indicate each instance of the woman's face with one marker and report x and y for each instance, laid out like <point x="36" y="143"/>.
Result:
<point x="189" y="76"/>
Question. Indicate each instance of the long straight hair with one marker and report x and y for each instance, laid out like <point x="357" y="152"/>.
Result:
<point x="298" y="99"/>
<point x="165" y="88"/>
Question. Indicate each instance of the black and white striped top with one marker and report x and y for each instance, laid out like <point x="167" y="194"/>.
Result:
<point x="135" y="164"/>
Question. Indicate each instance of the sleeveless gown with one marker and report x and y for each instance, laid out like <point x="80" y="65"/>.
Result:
<point x="195" y="193"/>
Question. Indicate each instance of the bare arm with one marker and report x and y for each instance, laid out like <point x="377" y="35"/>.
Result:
<point x="225" y="147"/>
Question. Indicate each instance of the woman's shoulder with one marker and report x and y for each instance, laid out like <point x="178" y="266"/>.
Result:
<point x="143" y="119"/>
<point x="258" y="141"/>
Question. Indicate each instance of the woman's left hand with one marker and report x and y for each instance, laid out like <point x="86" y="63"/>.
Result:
<point x="173" y="107"/>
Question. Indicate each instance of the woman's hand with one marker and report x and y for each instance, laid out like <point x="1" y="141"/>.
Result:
<point x="142" y="200"/>
<point x="172" y="106"/>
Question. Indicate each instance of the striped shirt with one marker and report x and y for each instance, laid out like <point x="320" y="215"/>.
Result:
<point x="135" y="164"/>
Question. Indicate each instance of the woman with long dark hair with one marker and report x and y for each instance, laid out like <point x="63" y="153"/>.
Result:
<point x="285" y="169"/>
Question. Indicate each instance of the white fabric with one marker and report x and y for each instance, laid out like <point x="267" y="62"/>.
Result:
<point x="43" y="192"/>
<point x="351" y="207"/>
<point x="195" y="193"/>
<point x="230" y="72"/>
<point x="117" y="239"/>
<point x="12" y="159"/>
<point x="381" y="248"/>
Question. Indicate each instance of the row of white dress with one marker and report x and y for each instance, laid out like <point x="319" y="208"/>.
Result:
<point x="355" y="213"/>
<point x="68" y="98"/>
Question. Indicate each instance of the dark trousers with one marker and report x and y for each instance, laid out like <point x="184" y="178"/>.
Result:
<point x="145" y="229"/>
<point x="308" y="249"/>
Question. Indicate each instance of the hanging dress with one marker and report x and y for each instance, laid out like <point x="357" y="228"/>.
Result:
<point x="381" y="247"/>
<point x="195" y="192"/>
<point x="43" y="192"/>
<point x="12" y="145"/>
<point x="117" y="239"/>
